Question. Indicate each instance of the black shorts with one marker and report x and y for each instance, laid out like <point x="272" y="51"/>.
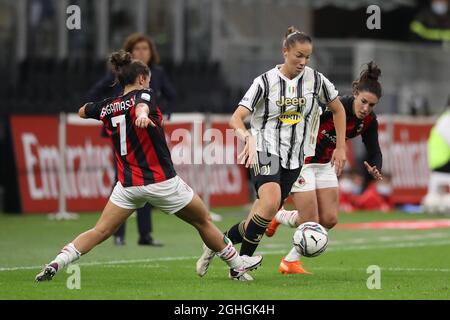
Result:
<point x="268" y="169"/>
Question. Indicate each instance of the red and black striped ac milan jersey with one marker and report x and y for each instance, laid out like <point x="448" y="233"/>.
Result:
<point x="367" y="128"/>
<point x="142" y="155"/>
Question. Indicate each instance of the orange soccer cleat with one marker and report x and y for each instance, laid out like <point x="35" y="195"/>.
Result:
<point x="272" y="228"/>
<point x="294" y="267"/>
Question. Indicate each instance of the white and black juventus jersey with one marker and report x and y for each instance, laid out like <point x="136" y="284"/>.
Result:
<point x="286" y="114"/>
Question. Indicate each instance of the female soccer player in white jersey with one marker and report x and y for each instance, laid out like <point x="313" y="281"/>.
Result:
<point x="284" y="109"/>
<point x="315" y="193"/>
<point x="133" y="121"/>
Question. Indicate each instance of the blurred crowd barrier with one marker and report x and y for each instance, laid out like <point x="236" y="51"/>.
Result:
<point x="204" y="153"/>
<point x="89" y="172"/>
<point x="403" y="142"/>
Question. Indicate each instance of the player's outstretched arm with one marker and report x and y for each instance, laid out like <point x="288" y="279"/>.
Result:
<point x="142" y="119"/>
<point x="90" y="110"/>
<point x="82" y="112"/>
<point x="373" y="171"/>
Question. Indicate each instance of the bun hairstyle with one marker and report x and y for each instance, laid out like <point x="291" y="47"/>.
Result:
<point x="293" y="35"/>
<point x="368" y="80"/>
<point x="125" y="69"/>
<point x="119" y="59"/>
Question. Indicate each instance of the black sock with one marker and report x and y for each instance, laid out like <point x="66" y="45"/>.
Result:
<point x="253" y="234"/>
<point x="236" y="232"/>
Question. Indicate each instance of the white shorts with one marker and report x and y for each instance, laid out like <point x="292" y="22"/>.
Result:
<point x="170" y="196"/>
<point x="315" y="176"/>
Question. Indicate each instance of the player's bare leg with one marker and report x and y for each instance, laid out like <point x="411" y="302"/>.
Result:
<point x="110" y="220"/>
<point x="308" y="205"/>
<point x="196" y="214"/>
<point x="268" y="203"/>
<point x="328" y="201"/>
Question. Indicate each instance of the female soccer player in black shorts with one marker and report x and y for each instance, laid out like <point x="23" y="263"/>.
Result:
<point x="316" y="192"/>
<point x="284" y="107"/>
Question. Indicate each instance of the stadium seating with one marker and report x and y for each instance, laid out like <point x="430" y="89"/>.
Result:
<point x="46" y="85"/>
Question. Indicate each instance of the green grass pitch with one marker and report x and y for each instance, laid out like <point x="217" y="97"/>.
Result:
<point x="414" y="264"/>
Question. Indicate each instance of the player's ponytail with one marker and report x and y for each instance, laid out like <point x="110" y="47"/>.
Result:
<point x="293" y="35"/>
<point x="368" y="80"/>
<point x="125" y="69"/>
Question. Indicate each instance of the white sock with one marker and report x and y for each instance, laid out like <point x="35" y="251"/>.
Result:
<point x="67" y="255"/>
<point x="293" y="255"/>
<point x="287" y="218"/>
<point x="230" y="256"/>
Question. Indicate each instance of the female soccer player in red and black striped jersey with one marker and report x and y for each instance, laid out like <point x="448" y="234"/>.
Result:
<point x="145" y="171"/>
<point x="315" y="192"/>
<point x="144" y="49"/>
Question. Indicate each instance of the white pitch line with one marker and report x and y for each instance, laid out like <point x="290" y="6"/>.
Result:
<point x="349" y="241"/>
<point x="435" y="235"/>
<point x="339" y="248"/>
<point x="391" y="269"/>
<point x="386" y="269"/>
<point x="98" y="263"/>
<point x="390" y="246"/>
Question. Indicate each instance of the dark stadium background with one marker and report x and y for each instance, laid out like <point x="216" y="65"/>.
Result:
<point x="210" y="49"/>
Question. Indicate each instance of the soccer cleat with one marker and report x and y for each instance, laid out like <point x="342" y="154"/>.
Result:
<point x="272" y="228"/>
<point x="243" y="277"/>
<point x="47" y="273"/>
<point x="249" y="263"/>
<point x="294" y="267"/>
<point x="204" y="261"/>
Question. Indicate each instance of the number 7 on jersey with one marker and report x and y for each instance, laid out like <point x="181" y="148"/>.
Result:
<point x="122" y="131"/>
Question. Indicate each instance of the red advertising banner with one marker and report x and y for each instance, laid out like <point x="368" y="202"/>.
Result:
<point x="90" y="169"/>
<point x="227" y="184"/>
<point x="197" y="153"/>
<point x="89" y="166"/>
<point x="404" y="147"/>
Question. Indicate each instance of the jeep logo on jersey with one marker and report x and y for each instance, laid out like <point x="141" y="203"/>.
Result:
<point x="291" y="117"/>
<point x="291" y="101"/>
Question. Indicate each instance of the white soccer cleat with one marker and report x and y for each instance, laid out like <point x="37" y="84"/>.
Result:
<point x="46" y="274"/>
<point x="204" y="261"/>
<point x="243" y="277"/>
<point x="248" y="264"/>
